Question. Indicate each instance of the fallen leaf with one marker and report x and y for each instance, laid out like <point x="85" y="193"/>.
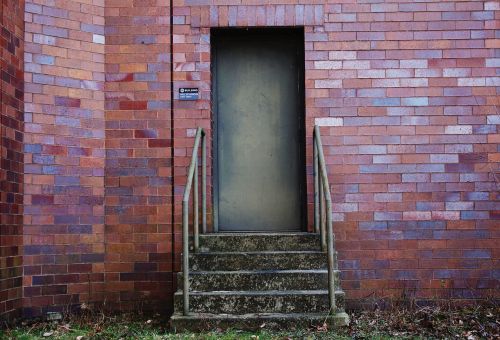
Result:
<point x="263" y="325"/>
<point x="322" y="328"/>
<point x="47" y="334"/>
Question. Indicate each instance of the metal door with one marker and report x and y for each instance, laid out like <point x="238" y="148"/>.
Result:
<point x="259" y="108"/>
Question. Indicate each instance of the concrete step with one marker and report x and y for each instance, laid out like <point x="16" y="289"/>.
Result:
<point x="256" y="321"/>
<point x="250" y="242"/>
<point x="272" y="301"/>
<point x="260" y="280"/>
<point x="262" y="260"/>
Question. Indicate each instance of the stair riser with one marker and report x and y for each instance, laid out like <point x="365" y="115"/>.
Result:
<point x="257" y="261"/>
<point x="241" y="304"/>
<point x="247" y="242"/>
<point x="258" y="281"/>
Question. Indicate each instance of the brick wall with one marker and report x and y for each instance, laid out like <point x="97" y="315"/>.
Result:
<point x="138" y="155"/>
<point x="407" y="95"/>
<point x="64" y="154"/>
<point x="11" y="155"/>
<point x="408" y="92"/>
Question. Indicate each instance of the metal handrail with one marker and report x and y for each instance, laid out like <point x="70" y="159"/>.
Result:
<point x="192" y="181"/>
<point x="322" y="223"/>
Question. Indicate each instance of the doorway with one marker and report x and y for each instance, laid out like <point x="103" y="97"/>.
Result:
<point x="258" y="98"/>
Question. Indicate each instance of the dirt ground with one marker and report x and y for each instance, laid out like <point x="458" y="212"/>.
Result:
<point x="480" y="321"/>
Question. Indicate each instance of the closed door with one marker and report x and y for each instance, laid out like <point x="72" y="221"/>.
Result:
<point x="259" y="108"/>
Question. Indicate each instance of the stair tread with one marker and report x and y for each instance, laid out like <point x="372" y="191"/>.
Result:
<point x="259" y="271"/>
<point x="246" y="234"/>
<point x="260" y="292"/>
<point x="264" y="252"/>
<point x="250" y="315"/>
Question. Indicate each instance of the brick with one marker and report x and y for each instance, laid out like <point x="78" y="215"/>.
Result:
<point x="444" y="158"/>
<point x="388" y="216"/>
<point x="98" y="39"/>
<point x="471" y="81"/>
<point x="413" y="63"/>
<point x="325" y="84"/>
<point x="372" y="149"/>
<point x="388" y="197"/>
<point x="376" y="225"/>
<point x="458" y="130"/>
<point x="416" y="215"/>
<point x="371" y="73"/>
<point x="342" y="55"/>
<point x="386" y="102"/>
<point x="330" y="121"/>
<point x="415" y="101"/>
<point x="493" y="119"/>
<point x="459" y="205"/>
<point x="477" y="254"/>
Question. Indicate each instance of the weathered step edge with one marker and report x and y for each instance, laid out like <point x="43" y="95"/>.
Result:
<point x="244" y="302"/>
<point x="256" y="321"/>
<point x="267" y="260"/>
<point x="259" y="280"/>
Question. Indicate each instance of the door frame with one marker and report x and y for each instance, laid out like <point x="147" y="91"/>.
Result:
<point x="298" y="33"/>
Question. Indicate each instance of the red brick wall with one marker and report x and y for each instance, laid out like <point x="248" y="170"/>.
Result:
<point x="407" y="94"/>
<point x="11" y="155"/>
<point x="138" y="155"/>
<point x="64" y="244"/>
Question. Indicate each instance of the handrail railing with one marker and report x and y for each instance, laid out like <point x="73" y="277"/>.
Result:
<point x="192" y="181"/>
<point x="322" y="207"/>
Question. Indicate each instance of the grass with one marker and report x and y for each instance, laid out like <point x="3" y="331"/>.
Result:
<point x="470" y="322"/>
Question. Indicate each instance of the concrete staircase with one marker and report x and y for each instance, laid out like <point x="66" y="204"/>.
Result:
<point x="249" y="280"/>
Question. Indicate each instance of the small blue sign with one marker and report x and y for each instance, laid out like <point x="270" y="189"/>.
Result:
<point x="189" y="93"/>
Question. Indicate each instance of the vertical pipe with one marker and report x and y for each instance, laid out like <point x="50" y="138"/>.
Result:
<point x="316" y="186"/>
<point x="185" y="255"/>
<point x="204" y="182"/>
<point x="331" y="273"/>
<point x="196" y="207"/>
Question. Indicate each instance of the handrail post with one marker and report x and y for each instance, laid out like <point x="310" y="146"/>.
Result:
<point x="321" y="213"/>
<point x="324" y="185"/>
<point x="185" y="255"/>
<point x="204" y="182"/>
<point x="196" y="207"/>
<point x="193" y="172"/>
<point x="331" y="274"/>
<point x="316" y="185"/>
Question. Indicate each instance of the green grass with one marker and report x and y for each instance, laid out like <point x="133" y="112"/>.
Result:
<point x="136" y="331"/>
<point x="118" y="328"/>
<point x="471" y="322"/>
